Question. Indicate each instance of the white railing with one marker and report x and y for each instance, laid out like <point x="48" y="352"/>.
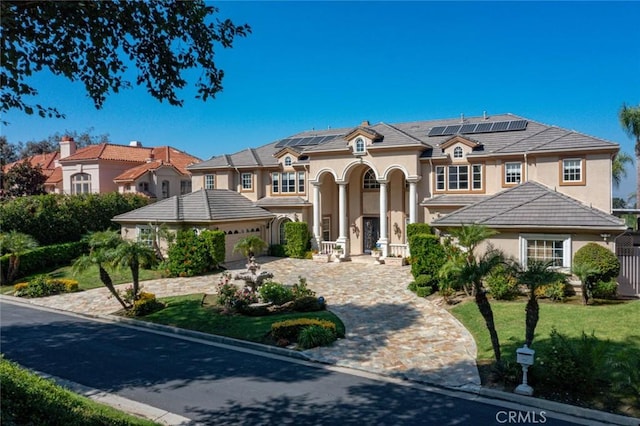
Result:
<point x="398" y="250"/>
<point x="327" y="247"/>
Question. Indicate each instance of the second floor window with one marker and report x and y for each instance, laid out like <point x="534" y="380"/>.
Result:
<point x="209" y="182"/>
<point x="288" y="182"/>
<point x="572" y="170"/>
<point x="247" y="181"/>
<point x="512" y="173"/>
<point x="359" y="146"/>
<point x="185" y="186"/>
<point x="457" y="153"/>
<point x="439" y="178"/>
<point x="458" y="177"/>
<point x="287" y="161"/>
<point x="165" y="189"/>
<point x="81" y="183"/>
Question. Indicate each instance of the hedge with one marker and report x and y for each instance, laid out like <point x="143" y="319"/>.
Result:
<point x="418" y="228"/>
<point x="215" y="242"/>
<point x="427" y="255"/>
<point x="298" y="239"/>
<point x="56" y="218"/>
<point x="44" y="259"/>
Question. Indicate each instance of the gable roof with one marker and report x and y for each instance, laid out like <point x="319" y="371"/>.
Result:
<point x="205" y="205"/>
<point x="46" y="160"/>
<point x="533" y="206"/>
<point x="136" y="172"/>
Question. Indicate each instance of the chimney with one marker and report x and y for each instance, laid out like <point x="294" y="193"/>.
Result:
<point x="137" y="144"/>
<point x="151" y="157"/>
<point x="365" y="123"/>
<point x="67" y="147"/>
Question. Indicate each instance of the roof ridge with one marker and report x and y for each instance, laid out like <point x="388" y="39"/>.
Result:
<point x="582" y="205"/>
<point x="255" y="156"/>
<point x="516" y="206"/>
<point x="207" y="207"/>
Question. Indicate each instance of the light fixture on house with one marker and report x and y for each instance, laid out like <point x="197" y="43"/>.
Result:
<point x="605" y="236"/>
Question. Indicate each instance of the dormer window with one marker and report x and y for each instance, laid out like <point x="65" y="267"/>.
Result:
<point x="457" y="153"/>
<point x="359" y="146"/>
<point x="287" y="161"/>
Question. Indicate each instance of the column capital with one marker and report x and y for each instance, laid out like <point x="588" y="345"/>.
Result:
<point x="342" y="182"/>
<point x="414" y="179"/>
<point x="382" y="181"/>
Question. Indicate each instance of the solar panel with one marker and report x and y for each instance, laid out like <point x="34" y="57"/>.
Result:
<point x="468" y="128"/>
<point x="437" y="131"/>
<point x="499" y="126"/>
<point x="283" y="143"/>
<point x="451" y="130"/>
<point x="517" y="125"/>
<point x="483" y="127"/>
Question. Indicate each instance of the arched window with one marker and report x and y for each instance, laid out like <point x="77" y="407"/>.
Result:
<point x="287" y="161"/>
<point x="359" y="145"/>
<point x="457" y="153"/>
<point x="370" y="181"/>
<point x="81" y="183"/>
<point x="282" y="236"/>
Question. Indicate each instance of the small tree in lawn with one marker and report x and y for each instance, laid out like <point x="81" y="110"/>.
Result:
<point x="101" y="245"/>
<point x="469" y="268"/>
<point x="133" y="254"/>
<point x="159" y="233"/>
<point x="249" y="246"/>
<point x="16" y="244"/>
<point x="534" y="276"/>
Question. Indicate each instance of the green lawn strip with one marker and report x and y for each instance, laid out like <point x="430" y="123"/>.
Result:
<point x="617" y="322"/>
<point x="91" y="279"/>
<point x="186" y="312"/>
<point x="29" y="399"/>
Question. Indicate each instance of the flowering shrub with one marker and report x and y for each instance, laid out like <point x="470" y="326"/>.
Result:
<point x="42" y="285"/>
<point x="275" y="293"/>
<point x="233" y="298"/>
<point x="145" y="304"/>
<point x="290" y="329"/>
<point x="300" y="289"/>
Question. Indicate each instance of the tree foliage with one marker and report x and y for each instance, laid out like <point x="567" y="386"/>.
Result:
<point x="24" y="179"/>
<point x="298" y="239"/>
<point x="619" y="168"/>
<point x="96" y="41"/>
<point x="630" y="121"/>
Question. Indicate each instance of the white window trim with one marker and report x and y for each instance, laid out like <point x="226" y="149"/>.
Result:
<point x="139" y="230"/>
<point x="506" y="172"/>
<point x="458" y="152"/>
<point x="243" y="181"/>
<point x="213" y="181"/>
<point x="566" y="246"/>
<point x="564" y="169"/>
<point x="358" y="151"/>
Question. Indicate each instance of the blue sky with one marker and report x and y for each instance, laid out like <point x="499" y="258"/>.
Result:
<point x="333" y="64"/>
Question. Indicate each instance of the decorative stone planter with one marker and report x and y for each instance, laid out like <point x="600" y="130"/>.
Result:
<point x="322" y="257"/>
<point x="395" y="261"/>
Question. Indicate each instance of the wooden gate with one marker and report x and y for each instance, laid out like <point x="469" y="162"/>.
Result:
<point x="629" y="256"/>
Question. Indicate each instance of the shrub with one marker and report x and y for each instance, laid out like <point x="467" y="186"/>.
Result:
<point x="418" y="228"/>
<point x="44" y="259"/>
<point x="42" y="285"/>
<point x="575" y="367"/>
<point x="298" y="239"/>
<point x="557" y="291"/>
<point x="314" y="336"/>
<point x="605" y="289"/>
<point x="424" y="285"/>
<point x="605" y="263"/>
<point x="277" y="250"/>
<point x="502" y="285"/>
<point x="215" y="243"/>
<point x="275" y="293"/>
<point x="300" y="289"/>
<point x="427" y="255"/>
<point x="290" y="329"/>
<point x="424" y="291"/>
<point x="146" y="304"/>
<point x="307" y="304"/>
<point x="188" y="256"/>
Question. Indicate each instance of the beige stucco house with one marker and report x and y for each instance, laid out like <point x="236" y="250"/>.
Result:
<point x="359" y="187"/>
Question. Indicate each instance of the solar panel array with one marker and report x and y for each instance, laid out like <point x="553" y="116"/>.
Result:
<point x="306" y="141"/>
<point x="496" y="126"/>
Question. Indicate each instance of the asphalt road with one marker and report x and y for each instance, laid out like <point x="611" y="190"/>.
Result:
<point x="217" y="385"/>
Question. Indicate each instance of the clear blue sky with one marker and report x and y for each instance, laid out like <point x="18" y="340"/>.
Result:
<point x="319" y="64"/>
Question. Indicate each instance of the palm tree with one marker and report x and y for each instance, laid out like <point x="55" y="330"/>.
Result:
<point x="619" y="168"/>
<point x="158" y="233"/>
<point x="471" y="269"/>
<point x="535" y="275"/>
<point x="16" y="244"/>
<point x="133" y="255"/>
<point x="630" y="122"/>
<point x="250" y="245"/>
<point x="101" y="245"/>
<point x="585" y="272"/>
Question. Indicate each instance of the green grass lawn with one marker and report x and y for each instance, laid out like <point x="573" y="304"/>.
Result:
<point x="90" y="278"/>
<point x="614" y="322"/>
<point x="186" y="312"/>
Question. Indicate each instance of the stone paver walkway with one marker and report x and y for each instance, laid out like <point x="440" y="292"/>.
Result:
<point x="389" y="330"/>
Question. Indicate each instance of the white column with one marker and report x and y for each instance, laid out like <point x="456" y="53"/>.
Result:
<point x="412" y="202"/>
<point x="342" y="211"/>
<point x="316" y="215"/>
<point x="384" y="237"/>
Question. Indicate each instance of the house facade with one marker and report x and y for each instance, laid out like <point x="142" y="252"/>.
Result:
<point x="359" y="187"/>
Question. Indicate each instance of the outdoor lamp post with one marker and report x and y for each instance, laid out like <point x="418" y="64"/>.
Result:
<point x="525" y="357"/>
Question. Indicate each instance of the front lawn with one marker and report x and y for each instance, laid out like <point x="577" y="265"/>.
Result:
<point x="188" y="313"/>
<point x="613" y="321"/>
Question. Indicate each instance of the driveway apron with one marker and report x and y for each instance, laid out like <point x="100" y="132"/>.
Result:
<point x="390" y="330"/>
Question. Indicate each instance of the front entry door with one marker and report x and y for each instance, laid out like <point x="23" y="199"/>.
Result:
<point x="371" y="233"/>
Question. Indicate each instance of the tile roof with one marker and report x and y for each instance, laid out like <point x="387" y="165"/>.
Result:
<point x="282" y="201"/>
<point x="210" y="205"/>
<point x="134" y="154"/>
<point x="47" y="161"/>
<point x="55" y="177"/>
<point x="532" y="205"/>
<point x="453" y="200"/>
<point x="135" y="172"/>
<point x="536" y="137"/>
